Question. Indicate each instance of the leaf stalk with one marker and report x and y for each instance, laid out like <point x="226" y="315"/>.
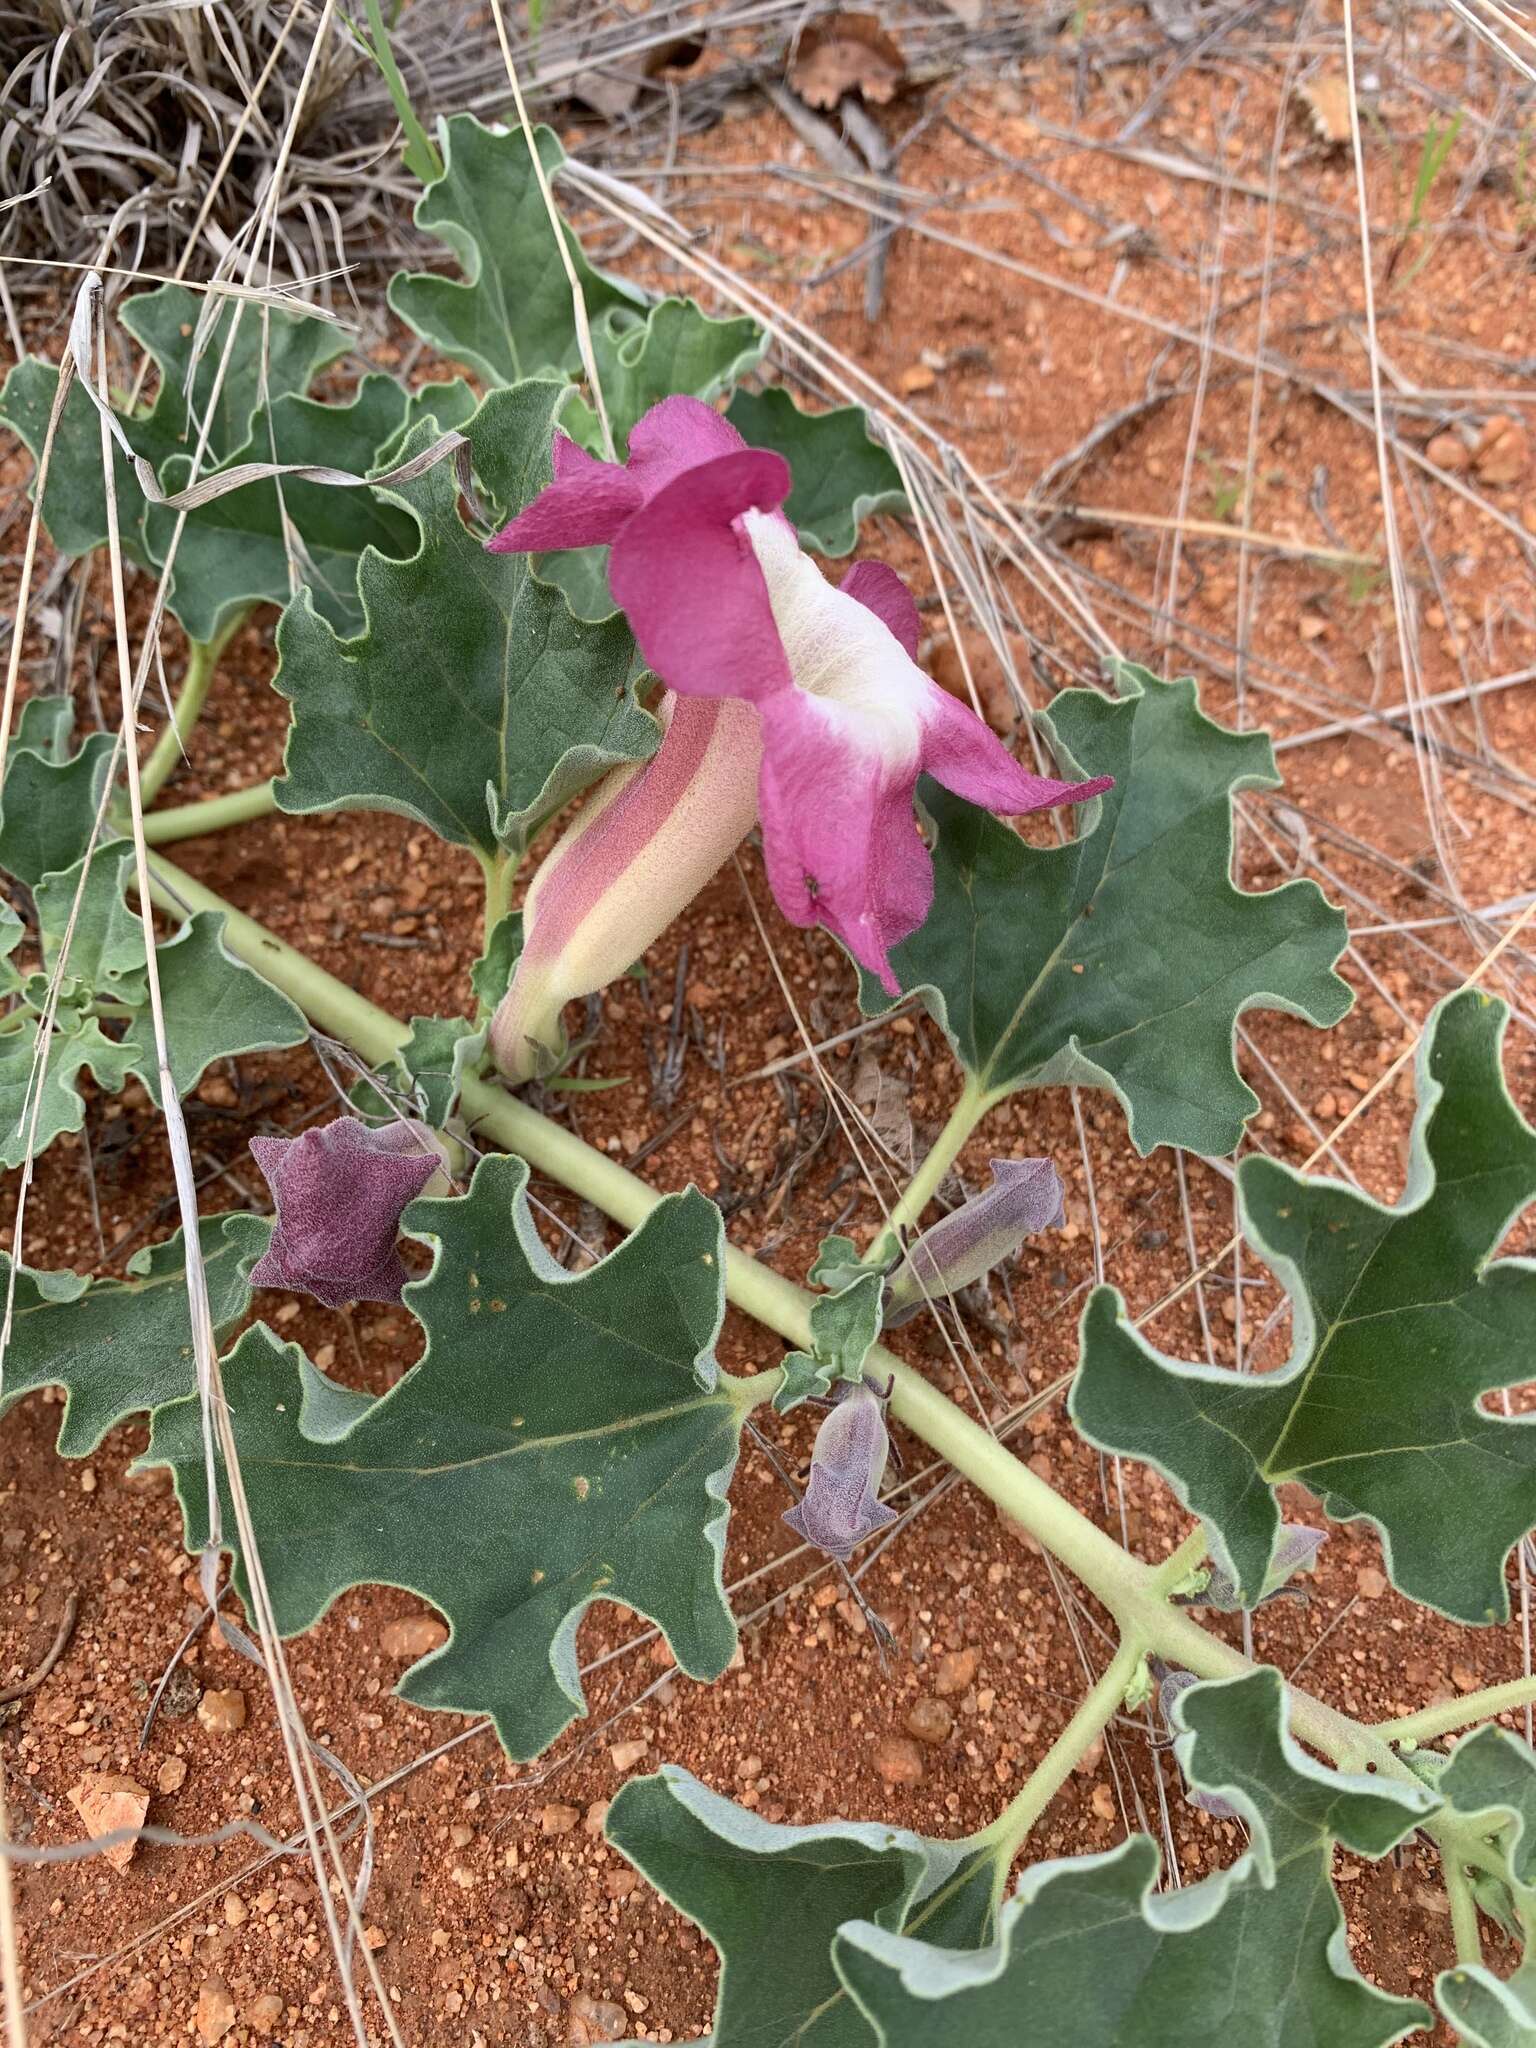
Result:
<point x="170" y="749"/>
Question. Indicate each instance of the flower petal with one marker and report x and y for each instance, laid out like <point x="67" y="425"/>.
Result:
<point x="340" y="1190"/>
<point x="677" y="434"/>
<point x="840" y="842"/>
<point x="877" y="587"/>
<point x="970" y="759"/>
<point x="587" y="504"/>
<point x="690" y="584"/>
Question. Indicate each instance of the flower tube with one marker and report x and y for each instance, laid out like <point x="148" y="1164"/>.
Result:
<point x="726" y="606"/>
<point x="842" y="1503"/>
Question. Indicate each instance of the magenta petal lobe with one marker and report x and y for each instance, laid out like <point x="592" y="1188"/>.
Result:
<point x="340" y="1191"/>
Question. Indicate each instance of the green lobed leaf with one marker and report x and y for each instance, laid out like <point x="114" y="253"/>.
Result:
<point x="771" y="1899"/>
<point x="118" y="1347"/>
<point x="1486" y="2011"/>
<point x="844" y="1327"/>
<point x="1402" y="1320"/>
<point x="1089" y="1954"/>
<point x="436" y="1057"/>
<point x="841" y="476"/>
<point x="224" y="386"/>
<point x="566" y="1438"/>
<point x="1123" y="959"/>
<point x="234" y="552"/>
<point x="474" y="702"/>
<point x="491" y="975"/>
<point x="215" y="1006"/>
<point x="1492" y="1777"/>
<point x="511" y="316"/>
<point x="51" y="795"/>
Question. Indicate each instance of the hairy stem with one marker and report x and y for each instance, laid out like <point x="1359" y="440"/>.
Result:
<point x="1448" y="1715"/>
<point x="202" y="666"/>
<point x="500" y="869"/>
<point x="1135" y="1593"/>
<point x="1011" y="1828"/>
<point x="1464" y="1928"/>
<point x="971" y="1106"/>
<point x="211" y="814"/>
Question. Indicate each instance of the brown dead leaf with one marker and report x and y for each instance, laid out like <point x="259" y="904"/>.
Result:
<point x="106" y="1802"/>
<point x="842" y="53"/>
<point x="1327" y="101"/>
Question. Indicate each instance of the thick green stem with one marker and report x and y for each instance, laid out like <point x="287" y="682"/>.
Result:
<point x="971" y="1106"/>
<point x="211" y="814"/>
<point x="1464" y="1928"/>
<point x="1135" y="1593"/>
<point x="1448" y="1715"/>
<point x="500" y="870"/>
<point x="167" y="752"/>
<point x="1011" y="1828"/>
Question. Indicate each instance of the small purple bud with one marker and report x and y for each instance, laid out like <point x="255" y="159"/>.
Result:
<point x="1295" y="1552"/>
<point x="340" y="1190"/>
<point x="1025" y="1196"/>
<point x="1173" y="1684"/>
<point x="841" y="1505"/>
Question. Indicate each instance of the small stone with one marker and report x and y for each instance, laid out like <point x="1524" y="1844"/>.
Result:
<point x="618" y="1884"/>
<point x="172" y="1775"/>
<point x="460" y="1835"/>
<point x="221" y="1710"/>
<point x="595" y="2019"/>
<point x="1102" y="1801"/>
<point x="1311" y="626"/>
<point x="1503" y="453"/>
<point x="559" y="1820"/>
<point x="414" y="1636"/>
<point x="1463" y="1679"/>
<point x="749" y="1768"/>
<point x="625" y="1755"/>
<point x="930" y="1721"/>
<point x="899" y="1761"/>
<point x="956" y="1670"/>
<point x="264" y="2015"/>
<point x="1370" y="1583"/>
<point x="215" y="2011"/>
<point x="105" y="1802"/>
<point x="918" y="377"/>
<point x="236" y="1911"/>
<point x="217" y="1092"/>
<point x="1448" y="451"/>
<point x="594" y="1817"/>
<point x="88" y="1480"/>
<point x="375" y="1938"/>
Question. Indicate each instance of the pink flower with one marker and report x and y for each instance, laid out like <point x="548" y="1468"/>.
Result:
<point x="340" y="1190"/>
<point x="842" y="1503"/>
<point x="726" y="606"/>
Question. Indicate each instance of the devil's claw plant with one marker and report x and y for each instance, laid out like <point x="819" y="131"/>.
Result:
<point x="624" y="614"/>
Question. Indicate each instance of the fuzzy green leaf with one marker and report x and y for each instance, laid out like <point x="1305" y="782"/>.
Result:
<point x="234" y="551"/>
<point x="1402" y="1320"/>
<point x="51" y="795"/>
<point x="165" y="321"/>
<point x="840" y="475"/>
<point x="1123" y="959"/>
<point x="844" y="1326"/>
<point x="772" y="1898"/>
<point x="1486" y="2011"/>
<point x="566" y="1438"/>
<point x="436" y="1057"/>
<point x="215" y="1006"/>
<point x="1089" y="1955"/>
<point x="1493" y="1777"/>
<point x="118" y="1347"/>
<point x="677" y="347"/>
<point x="511" y="317"/>
<point x="491" y="975"/>
<point x="474" y="702"/>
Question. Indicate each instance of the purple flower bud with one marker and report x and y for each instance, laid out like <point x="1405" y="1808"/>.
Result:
<point x="841" y="1505"/>
<point x="340" y="1190"/>
<point x="1295" y="1552"/>
<point x="1025" y="1196"/>
<point x="1173" y="1684"/>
